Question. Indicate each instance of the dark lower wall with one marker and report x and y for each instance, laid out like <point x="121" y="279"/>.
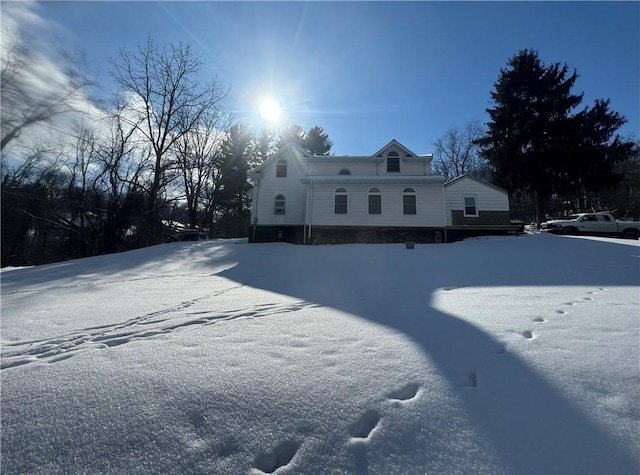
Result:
<point x="292" y="234"/>
<point x="454" y="235"/>
<point x="371" y="235"/>
<point x="483" y="218"/>
<point x="338" y="235"/>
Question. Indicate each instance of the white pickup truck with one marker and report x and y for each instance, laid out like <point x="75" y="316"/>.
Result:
<point x="593" y="224"/>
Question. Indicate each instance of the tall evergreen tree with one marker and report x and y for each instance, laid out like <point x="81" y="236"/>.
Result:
<point x="317" y="141"/>
<point x="293" y="133"/>
<point x="599" y="150"/>
<point x="536" y="144"/>
<point x="264" y="145"/>
<point x="231" y="182"/>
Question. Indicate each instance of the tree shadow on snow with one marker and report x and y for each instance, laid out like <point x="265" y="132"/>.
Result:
<point x="526" y="414"/>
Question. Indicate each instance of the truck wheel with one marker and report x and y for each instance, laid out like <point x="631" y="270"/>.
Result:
<point x="571" y="231"/>
<point x="630" y="233"/>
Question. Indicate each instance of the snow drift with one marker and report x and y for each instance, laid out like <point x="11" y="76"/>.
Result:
<point x="492" y="355"/>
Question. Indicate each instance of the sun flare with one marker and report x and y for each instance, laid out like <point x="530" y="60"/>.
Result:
<point x="270" y="109"/>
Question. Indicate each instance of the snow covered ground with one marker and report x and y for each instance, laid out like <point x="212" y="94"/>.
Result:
<point x="492" y="355"/>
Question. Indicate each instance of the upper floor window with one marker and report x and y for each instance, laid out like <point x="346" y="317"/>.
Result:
<point x="393" y="162"/>
<point x="281" y="168"/>
<point x="344" y="171"/>
<point x="279" y="205"/>
<point x="409" y="201"/>
<point x="470" y="208"/>
<point x="375" y="201"/>
<point x="340" y="201"/>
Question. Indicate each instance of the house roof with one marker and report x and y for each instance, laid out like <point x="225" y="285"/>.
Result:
<point x="291" y="147"/>
<point x="395" y="144"/>
<point x="297" y="150"/>
<point x="470" y="177"/>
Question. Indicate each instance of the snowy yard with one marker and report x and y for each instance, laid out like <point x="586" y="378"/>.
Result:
<point x="492" y="355"/>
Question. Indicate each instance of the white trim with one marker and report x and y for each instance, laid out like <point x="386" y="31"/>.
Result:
<point x="408" y="179"/>
<point x="279" y="164"/>
<point x="464" y="206"/>
<point x="477" y="180"/>
<point x="374" y="193"/>
<point x="337" y="193"/>
<point x="283" y="207"/>
<point x="415" y="200"/>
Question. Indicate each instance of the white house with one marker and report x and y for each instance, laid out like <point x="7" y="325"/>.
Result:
<point x="390" y="196"/>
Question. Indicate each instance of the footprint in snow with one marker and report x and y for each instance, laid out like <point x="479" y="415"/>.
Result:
<point x="405" y="393"/>
<point x="561" y="312"/>
<point x="527" y="334"/>
<point x="539" y="320"/>
<point x="472" y="379"/>
<point x="280" y="456"/>
<point x="362" y="428"/>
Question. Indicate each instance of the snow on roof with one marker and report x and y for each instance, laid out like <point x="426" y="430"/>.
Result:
<point x="471" y="177"/>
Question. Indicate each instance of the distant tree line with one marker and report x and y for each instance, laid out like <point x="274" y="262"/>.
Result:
<point x="164" y="154"/>
<point x="551" y="155"/>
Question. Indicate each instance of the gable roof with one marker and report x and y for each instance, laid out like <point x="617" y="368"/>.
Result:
<point x="294" y="149"/>
<point x="395" y="144"/>
<point x="478" y="180"/>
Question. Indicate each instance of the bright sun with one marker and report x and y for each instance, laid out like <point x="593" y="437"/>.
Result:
<point x="270" y="109"/>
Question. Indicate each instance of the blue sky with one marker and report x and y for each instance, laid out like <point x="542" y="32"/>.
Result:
<point x="368" y="72"/>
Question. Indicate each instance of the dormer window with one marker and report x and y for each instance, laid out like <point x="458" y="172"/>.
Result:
<point x="281" y="169"/>
<point x="344" y="171"/>
<point x="393" y="162"/>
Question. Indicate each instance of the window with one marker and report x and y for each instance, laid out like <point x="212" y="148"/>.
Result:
<point x="470" y="208"/>
<point x="279" y="205"/>
<point x="340" y="201"/>
<point x="375" y="201"/>
<point x="604" y="217"/>
<point x="590" y="217"/>
<point x="281" y="169"/>
<point x="409" y="201"/>
<point x="393" y="162"/>
<point x="344" y="171"/>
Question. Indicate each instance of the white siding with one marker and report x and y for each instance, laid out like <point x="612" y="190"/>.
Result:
<point x="410" y="167"/>
<point x="429" y="205"/>
<point x="429" y="196"/>
<point x="487" y="197"/>
<point x="365" y="166"/>
<point x="331" y="166"/>
<point x="270" y="186"/>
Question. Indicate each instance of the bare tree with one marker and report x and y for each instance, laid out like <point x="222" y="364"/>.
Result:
<point x="196" y="154"/>
<point x="457" y="154"/>
<point x="28" y="97"/>
<point x="31" y="193"/>
<point x="83" y="222"/>
<point x="123" y="162"/>
<point x="165" y="102"/>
